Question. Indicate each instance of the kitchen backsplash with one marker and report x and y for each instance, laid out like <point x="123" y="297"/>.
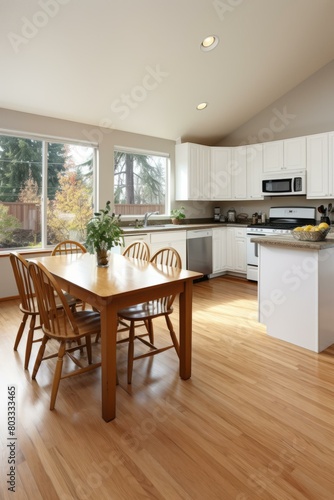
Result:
<point x="204" y="209"/>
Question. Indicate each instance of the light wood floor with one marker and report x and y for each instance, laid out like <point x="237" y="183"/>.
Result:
<point x="255" y="421"/>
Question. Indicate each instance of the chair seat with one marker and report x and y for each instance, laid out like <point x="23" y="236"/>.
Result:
<point x="151" y="309"/>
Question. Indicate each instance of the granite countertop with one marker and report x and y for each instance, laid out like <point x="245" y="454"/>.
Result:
<point x="178" y="227"/>
<point x="290" y="241"/>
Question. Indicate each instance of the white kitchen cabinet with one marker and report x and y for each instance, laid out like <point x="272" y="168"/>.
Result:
<point x="239" y="173"/>
<point x="254" y="171"/>
<point x="221" y="165"/>
<point x="175" y="239"/>
<point x="236" y="249"/>
<point x="319" y="173"/>
<point x="192" y="172"/>
<point x="219" y="250"/>
<point x="284" y="155"/>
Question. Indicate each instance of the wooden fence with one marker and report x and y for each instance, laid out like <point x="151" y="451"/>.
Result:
<point x="29" y="214"/>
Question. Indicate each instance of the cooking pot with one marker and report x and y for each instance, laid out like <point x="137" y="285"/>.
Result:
<point x="231" y="215"/>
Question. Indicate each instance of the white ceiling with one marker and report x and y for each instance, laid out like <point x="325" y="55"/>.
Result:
<point x="136" y="65"/>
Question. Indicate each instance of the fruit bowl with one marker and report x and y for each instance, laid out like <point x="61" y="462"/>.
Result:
<point x="310" y="235"/>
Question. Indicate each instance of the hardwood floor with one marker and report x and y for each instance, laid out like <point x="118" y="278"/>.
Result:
<point x="255" y="421"/>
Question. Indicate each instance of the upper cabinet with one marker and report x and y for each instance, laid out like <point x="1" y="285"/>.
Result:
<point x="221" y="162"/>
<point x="239" y="173"/>
<point x="254" y="171"/>
<point x="320" y="162"/>
<point x="229" y="173"/>
<point x="286" y="155"/>
<point x="192" y="169"/>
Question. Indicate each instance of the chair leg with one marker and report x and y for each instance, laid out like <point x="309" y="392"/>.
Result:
<point x="131" y="350"/>
<point x="149" y="327"/>
<point x="89" y="348"/>
<point x="57" y="375"/>
<point x="20" y="331"/>
<point x="173" y="335"/>
<point x="30" y="339"/>
<point x="39" y="358"/>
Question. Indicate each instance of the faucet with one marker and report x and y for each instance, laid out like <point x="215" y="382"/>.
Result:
<point x="147" y="215"/>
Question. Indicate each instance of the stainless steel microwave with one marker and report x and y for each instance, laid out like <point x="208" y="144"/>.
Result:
<point x="284" y="185"/>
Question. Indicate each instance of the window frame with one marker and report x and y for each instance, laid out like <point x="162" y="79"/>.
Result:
<point x="45" y="140"/>
<point x="147" y="152"/>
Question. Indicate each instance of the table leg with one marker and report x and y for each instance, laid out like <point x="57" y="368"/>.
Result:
<point x="108" y="361"/>
<point x="185" y="313"/>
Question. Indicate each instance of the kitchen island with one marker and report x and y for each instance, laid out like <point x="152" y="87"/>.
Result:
<point x="295" y="290"/>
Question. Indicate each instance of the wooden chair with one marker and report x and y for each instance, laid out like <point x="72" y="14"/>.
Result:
<point x="28" y="304"/>
<point x="147" y="311"/>
<point x="62" y="325"/>
<point x="137" y="250"/>
<point x="70" y="247"/>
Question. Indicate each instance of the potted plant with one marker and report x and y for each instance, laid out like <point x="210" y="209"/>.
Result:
<point x="177" y="215"/>
<point x="103" y="233"/>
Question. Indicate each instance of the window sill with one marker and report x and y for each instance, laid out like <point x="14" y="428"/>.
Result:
<point x="25" y="251"/>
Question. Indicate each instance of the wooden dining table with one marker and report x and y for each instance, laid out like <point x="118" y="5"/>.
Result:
<point x="124" y="282"/>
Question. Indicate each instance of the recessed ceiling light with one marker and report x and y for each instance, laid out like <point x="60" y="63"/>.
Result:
<point x="209" y="43"/>
<point x="202" y="105"/>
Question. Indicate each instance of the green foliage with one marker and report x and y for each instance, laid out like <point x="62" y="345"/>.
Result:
<point x="103" y="231"/>
<point x="178" y="213"/>
<point x="71" y="209"/>
<point x="8" y="224"/>
<point x="21" y="159"/>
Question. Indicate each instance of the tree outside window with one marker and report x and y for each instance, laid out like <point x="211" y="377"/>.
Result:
<point x="139" y="183"/>
<point x="68" y="198"/>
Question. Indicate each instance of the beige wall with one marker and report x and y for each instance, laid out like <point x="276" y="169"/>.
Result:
<point x="106" y="139"/>
<point x="307" y="109"/>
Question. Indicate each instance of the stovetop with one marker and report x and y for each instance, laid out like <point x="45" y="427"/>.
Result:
<point x="283" y="219"/>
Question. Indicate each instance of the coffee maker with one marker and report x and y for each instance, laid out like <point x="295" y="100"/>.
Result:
<point x="216" y="214"/>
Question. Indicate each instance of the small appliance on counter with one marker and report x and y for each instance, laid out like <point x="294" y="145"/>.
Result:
<point x="323" y="211"/>
<point x="231" y="215"/>
<point x="216" y="214"/>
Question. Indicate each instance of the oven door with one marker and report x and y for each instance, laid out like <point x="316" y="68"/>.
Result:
<point x="252" y="257"/>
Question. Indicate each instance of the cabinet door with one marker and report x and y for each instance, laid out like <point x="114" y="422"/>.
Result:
<point x="239" y="173"/>
<point x="236" y="250"/>
<point x="204" y="174"/>
<point x="294" y="153"/>
<point x="192" y="172"/>
<point x="240" y="262"/>
<point x="230" y="246"/>
<point x="273" y="156"/>
<point x="254" y="171"/>
<point x="221" y="179"/>
<point x="218" y="250"/>
<point x="174" y="239"/>
<point x="317" y="166"/>
<point x="331" y="165"/>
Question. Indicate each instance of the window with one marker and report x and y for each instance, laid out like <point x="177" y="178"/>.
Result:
<point x="140" y="183"/>
<point x="33" y="170"/>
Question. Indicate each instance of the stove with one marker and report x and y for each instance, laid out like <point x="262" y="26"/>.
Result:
<point x="281" y="221"/>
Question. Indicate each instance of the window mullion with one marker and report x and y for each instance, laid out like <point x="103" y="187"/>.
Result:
<point x="44" y="197"/>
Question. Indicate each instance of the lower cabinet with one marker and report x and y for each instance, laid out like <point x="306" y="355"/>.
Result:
<point x="175" y="239"/>
<point x="236" y="249"/>
<point x="219" y="250"/>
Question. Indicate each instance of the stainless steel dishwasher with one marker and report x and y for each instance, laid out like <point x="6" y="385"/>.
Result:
<point x="199" y="251"/>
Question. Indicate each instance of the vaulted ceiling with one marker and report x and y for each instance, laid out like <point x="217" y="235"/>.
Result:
<point x="137" y="66"/>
